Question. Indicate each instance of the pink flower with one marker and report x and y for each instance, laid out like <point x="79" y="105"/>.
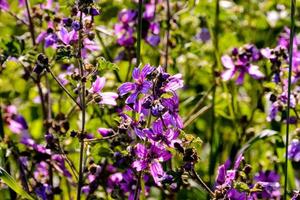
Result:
<point x="108" y="98"/>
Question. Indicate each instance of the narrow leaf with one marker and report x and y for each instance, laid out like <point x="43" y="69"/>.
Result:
<point x="263" y="135"/>
<point x="10" y="182"/>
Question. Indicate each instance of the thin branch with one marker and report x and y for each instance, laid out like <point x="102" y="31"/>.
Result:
<point x="64" y="88"/>
<point x="42" y="98"/>
<point x="71" y="165"/>
<point x="31" y="26"/>
<point x="292" y="32"/>
<point x="95" y="140"/>
<point x="211" y="166"/>
<point x="17" y="18"/>
<point x="167" y="35"/>
<point x="201" y="182"/>
<point x="139" y="33"/>
<point x="138" y="185"/>
<point x="196" y="115"/>
<point x="201" y="100"/>
<point x="82" y="100"/>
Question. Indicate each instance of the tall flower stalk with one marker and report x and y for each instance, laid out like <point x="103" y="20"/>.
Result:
<point x="212" y="128"/>
<point x="139" y="33"/>
<point x="82" y="102"/>
<point x="292" y="32"/>
<point x="138" y="61"/>
<point x="167" y="35"/>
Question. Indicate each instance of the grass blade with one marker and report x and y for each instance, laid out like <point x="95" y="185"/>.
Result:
<point x="10" y="182"/>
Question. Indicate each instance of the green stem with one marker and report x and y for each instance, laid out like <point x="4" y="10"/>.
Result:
<point x="64" y="88"/>
<point x="167" y="35"/>
<point x="82" y="100"/>
<point x="138" y="185"/>
<point x="201" y="182"/>
<point x="31" y="27"/>
<point x="139" y="34"/>
<point x="212" y="159"/>
<point x="293" y="5"/>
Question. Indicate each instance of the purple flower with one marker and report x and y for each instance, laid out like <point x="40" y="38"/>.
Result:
<point x="4" y="5"/>
<point x="203" y="35"/>
<point x="225" y="177"/>
<point x="105" y="131"/>
<point x="94" y="11"/>
<point x="76" y="25"/>
<point x="296" y="195"/>
<point x="49" y="37"/>
<point x="173" y="83"/>
<point x="21" y="3"/>
<point x="172" y="114"/>
<point x="150" y="158"/>
<point x="269" y="180"/>
<point x="125" y="34"/>
<point x="128" y="183"/>
<point x="158" y="134"/>
<point x="141" y="84"/>
<point x="149" y="12"/>
<point x="127" y="16"/>
<point x="16" y="123"/>
<point x="241" y="63"/>
<point x="234" y="194"/>
<point x="86" y="189"/>
<point x="41" y="172"/>
<point x="67" y="37"/>
<point x="108" y="98"/>
<point x="294" y="150"/>
<point x="42" y="191"/>
<point x="59" y="165"/>
<point x="30" y="143"/>
<point x="153" y="40"/>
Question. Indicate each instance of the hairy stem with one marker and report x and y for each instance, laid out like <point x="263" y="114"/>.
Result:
<point x="139" y="33"/>
<point x="42" y="98"/>
<point x="167" y="36"/>
<point x="64" y="88"/>
<point x="82" y="100"/>
<point x="31" y="26"/>
<point x="293" y="6"/>
<point x="201" y="182"/>
<point x="138" y="185"/>
<point x="212" y="125"/>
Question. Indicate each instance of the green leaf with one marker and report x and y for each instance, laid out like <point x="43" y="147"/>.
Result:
<point x="261" y="136"/>
<point x="10" y="182"/>
<point x="240" y="186"/>
<point x="106" y="65"/>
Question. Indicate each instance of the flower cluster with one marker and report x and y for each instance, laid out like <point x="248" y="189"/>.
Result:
<point x="152" y="94"/>
<point x="241" y="61"/>
<point x="39" y="157"/>
<point x="126" y="27"/>
<point x="278" y="58"/>
<point x="236" y="183"/>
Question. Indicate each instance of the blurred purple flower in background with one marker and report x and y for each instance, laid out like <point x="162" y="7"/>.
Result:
<point x="294" y="150"/>
<point x="241" y="62"/>
<point x="269" y="180"/>
<point x="4" y="5"/>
